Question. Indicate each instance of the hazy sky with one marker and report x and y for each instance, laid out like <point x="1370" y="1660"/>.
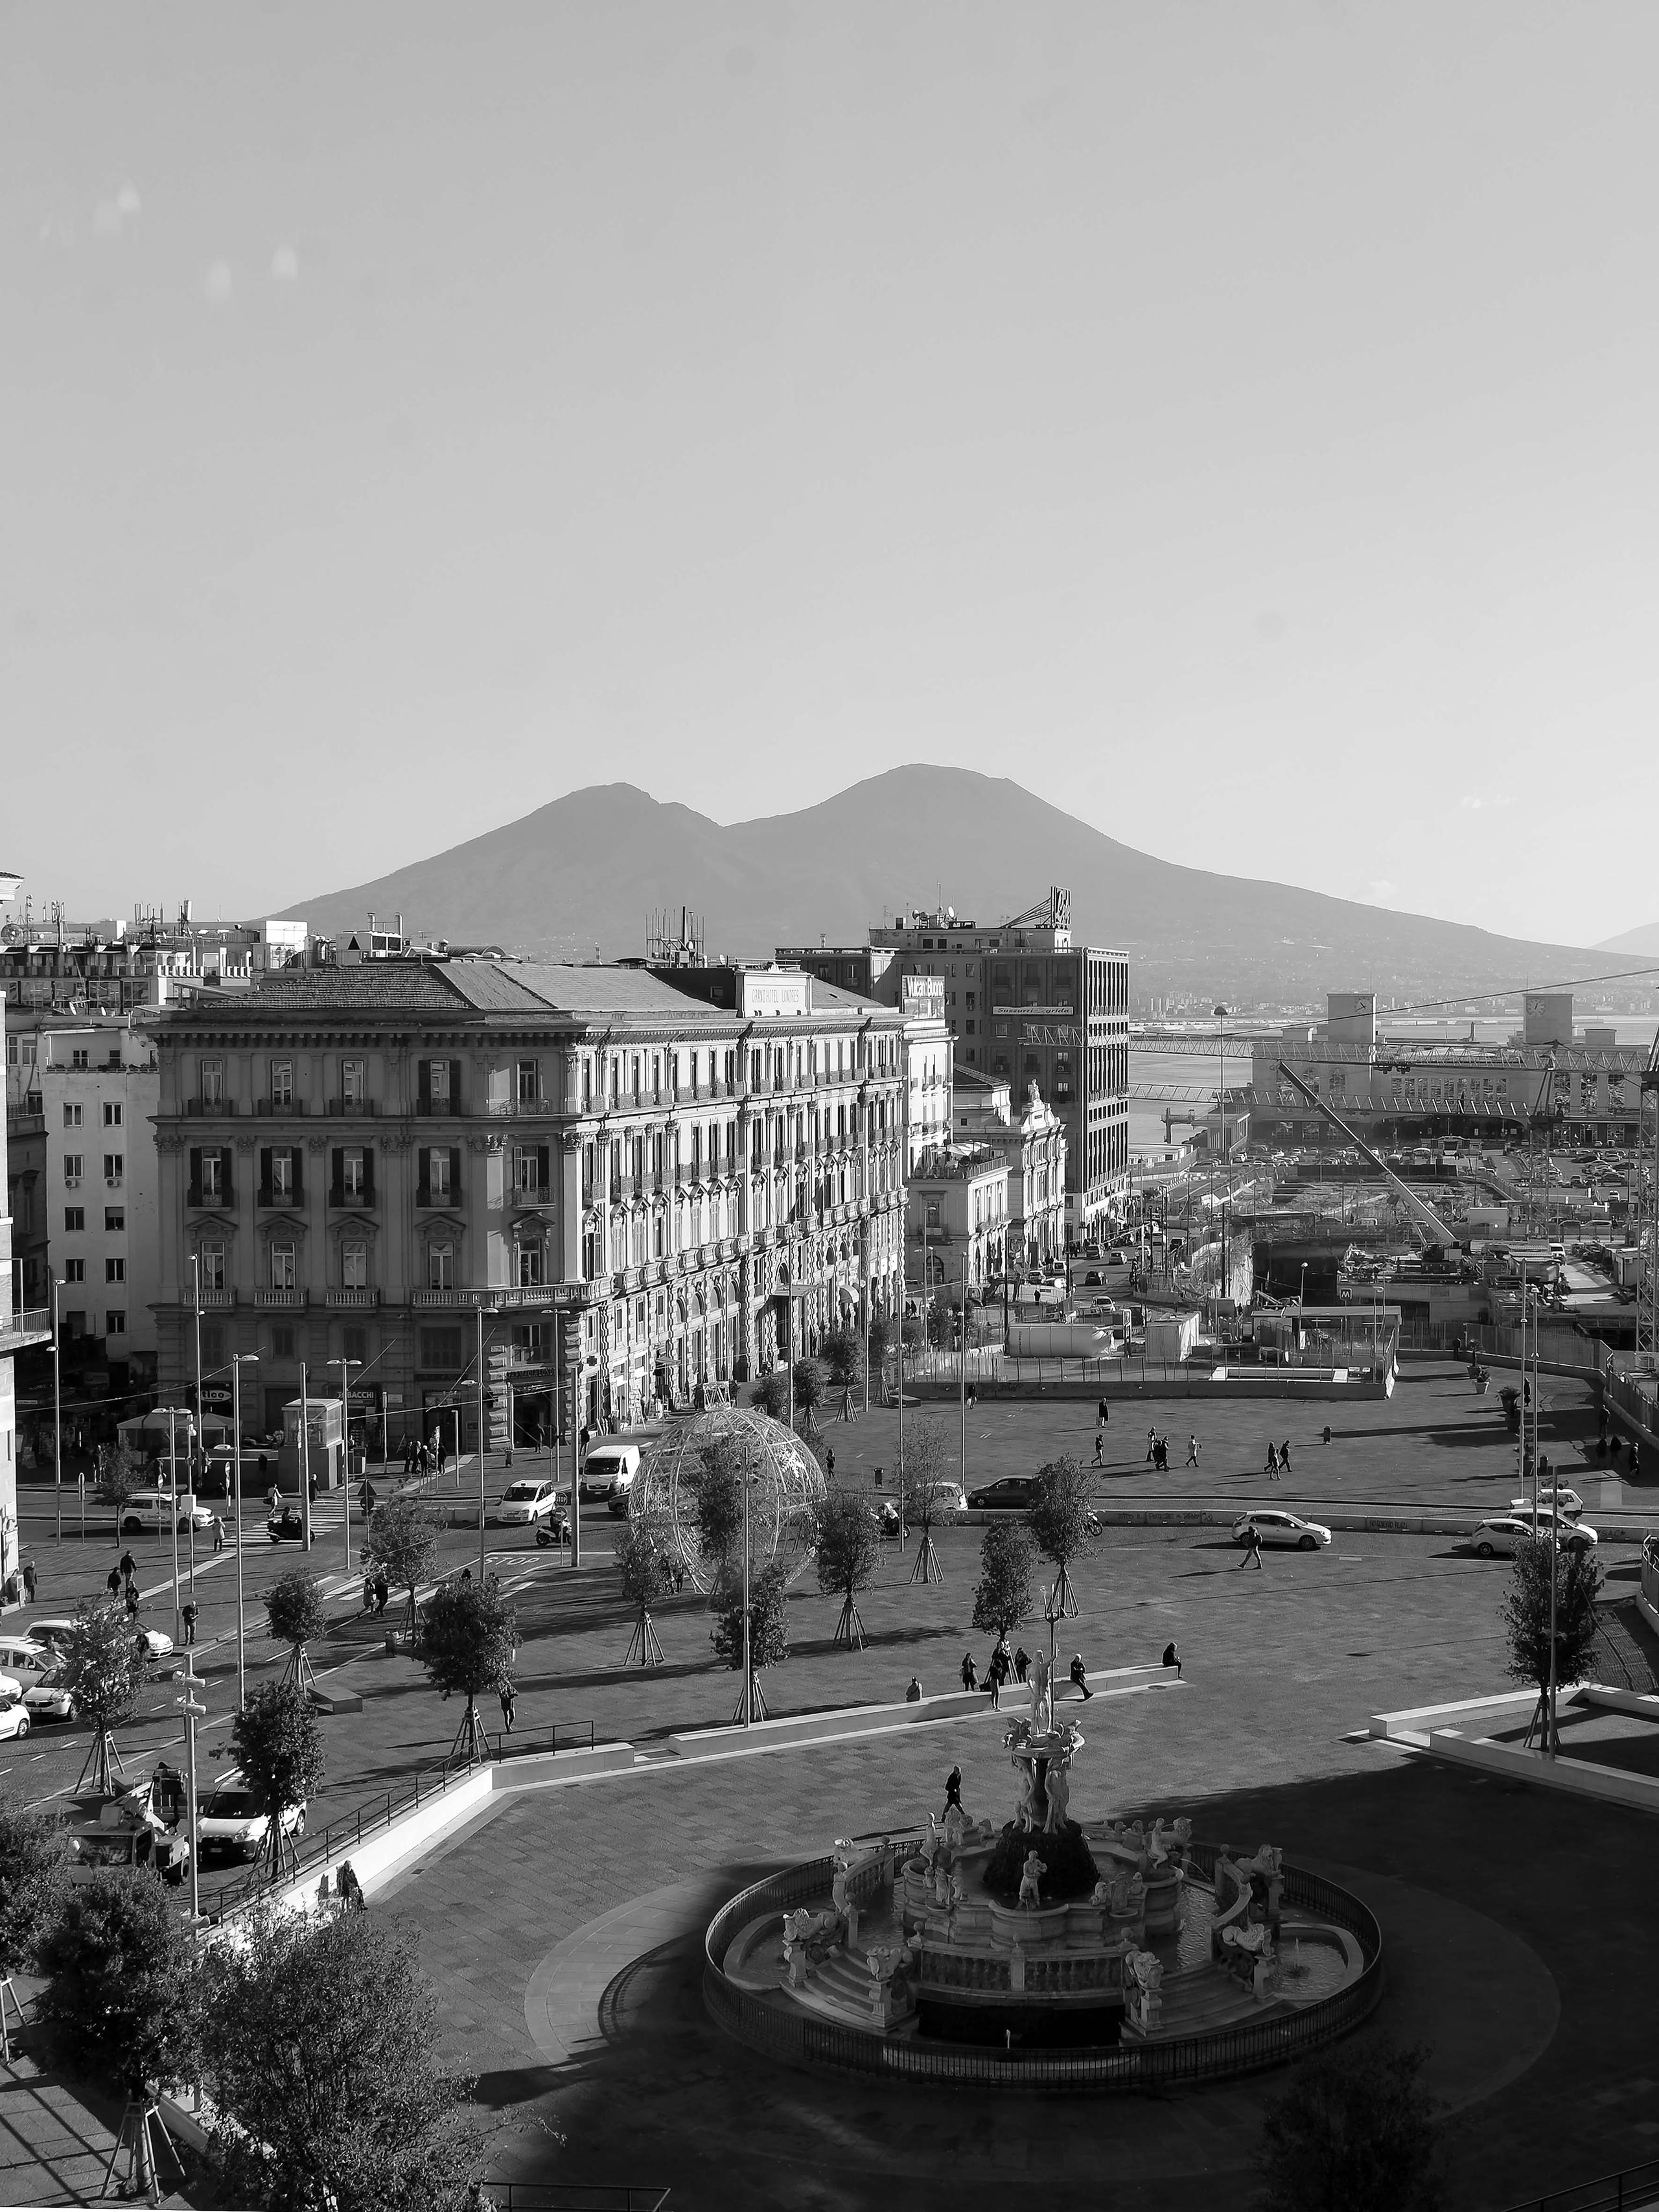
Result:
<point x="1236" y="423"/>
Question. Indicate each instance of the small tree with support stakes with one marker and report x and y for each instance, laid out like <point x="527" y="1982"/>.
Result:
<point x="278" y="1742"/>
<point x="848" y="1546"/>
<point x="809" y="1393"/>
<point x="844" y="1355"/>
<point x="768" y="1626"/>
<point x="921" y="1473"/>
<point x="120" y="1476"/>
<point x="293" y="1607"/>
<point x="771" y="1394"/>
<point x="122" y="2007"/>
<point x="32" y="1854"/>
<point x="646" y="1582"/>
<point x="1577" y="1574"/>
<point x="402" y="1545"/>
<point x="469" y="1637"/>
<point x="1003" y="1596"/>
<point x="1061" y="1525"/>
<point x="102" y="1670"/>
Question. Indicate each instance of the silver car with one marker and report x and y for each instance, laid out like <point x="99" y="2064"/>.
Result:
<point x="1286" y="1531"/>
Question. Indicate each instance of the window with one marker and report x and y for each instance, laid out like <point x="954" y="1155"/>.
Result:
<point x="282" y="1176"/>
<point x="115" y="1321"/>
<point x="213" y="1345"/>
<point x="282" y="1342"/>
<point x="441" y="1348"/>
<point x="115" y="1271"/>
<point x="213" y="1177"/>
<point x="282" y="1082"/>
<point x="115" y="1220"/>
<point x="281" y="1266"/>
<point x="75" y="1271"/>
<point x="212" y="1263"/>
<point x="438" y="1084"/>
<point x="353" y="1074"/>
<point x="437" y="1175"/>
<point x="440" y="1268"/>
<point x="354" y="1267"/>
<point x="213" y="1082"/>
<point x="352" y="1176"/>
<point x="527" y="1089"/>
<point x="529" y="1265"/>
<point x="111" y="1113"/>
<point x="78" y="1058"/>
<point x="115" y="1166"/>
<point x="354" y="1342"/>
<point x="72" y="1113"/>
<point x="74" y="1220"/>
<point x="72" y="1169"/>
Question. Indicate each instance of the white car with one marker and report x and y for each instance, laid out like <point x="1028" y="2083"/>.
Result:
<point x="1576" y="1535"/>
<point x="1287" y="1531"/>
<point x="160" y="1509"/>
<point x="54" y="1634"/>
<point x="157" y="1646"/>
<point x="522" y="1503"/>
<point x="13" y="1720"/>
<point x="23" y="1657"/>
<point x="1570" y="1503"/>
<point x="235" y="1821"/>
<point x="950" y="1501"/>
<point x="47" y="1699"/>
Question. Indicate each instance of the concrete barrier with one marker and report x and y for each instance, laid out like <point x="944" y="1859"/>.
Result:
<point x="1574" y="1778"/>
<point x="537" y="1769"/>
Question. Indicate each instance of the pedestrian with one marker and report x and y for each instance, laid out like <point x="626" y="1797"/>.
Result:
<point x="112" y="1582"/>
<point x="350" y="1889"/>
<point x="847" y="1402"/>
<point x="994" y="1681"/>
<point x="1327" y="1432"/>
<point x="970" y="1397"/>
<point x="382" y="1591"/>
<point x="28" y="1580"/>
<point x="311" y="1485"/>
<point x="128" y="1567"/>
<point x="466" y="1576"/>
<point x="187" y="1615"/>
<point x="274" y="1499"/>
<point x="368" y="1589"/>
<point x="1022" y="1661"/>
<point x="368" y="1500"/>
<point x="970" y="1675"/>
<point x="1152" y="1447"/>
<point x="1100" y="1447"/>
<point x="1162" y="1462"/>
<point x="1080" y="1675"/>
<point x="509" y="1707"/>
<point x="953" y="1789"/>
<point x="1192" y="1451"/>
<point x="1172" y="1656"/>
<point x="132" y="1604"/>
<point x="913" y="1695"/>
<point x="830" y="1461"/>
<point x="1284" y="1456"/>
<point x="1252" y="1547"/>
<point x="1099" y="1414"/>
<point x="1272" y="1463"/>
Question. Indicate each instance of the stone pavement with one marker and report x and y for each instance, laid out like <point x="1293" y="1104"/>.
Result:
<point x="53" y="2148"/>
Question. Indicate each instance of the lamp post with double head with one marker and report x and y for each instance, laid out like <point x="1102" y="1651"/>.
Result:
<point x="345" y="1367"/>
<point x="1226" y="1176"/>
<point x="239" y="1361"/>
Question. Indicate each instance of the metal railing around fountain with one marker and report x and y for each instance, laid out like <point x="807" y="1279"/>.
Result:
<point x="806" y="2039"/>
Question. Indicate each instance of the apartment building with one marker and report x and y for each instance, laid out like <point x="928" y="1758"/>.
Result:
<point x="639" y="1190"/>
<point x="80" y="1093"/>
<point x="1031" y="1143"/>
<point x="21" y="1327"/>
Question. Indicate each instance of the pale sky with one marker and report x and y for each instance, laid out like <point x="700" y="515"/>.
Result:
<point x="1236" y="423"/>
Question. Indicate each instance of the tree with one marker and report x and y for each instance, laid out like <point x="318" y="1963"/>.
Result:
<point x="102" y="1670"/>
<point x="122" y="2004"/>
<point x="325" y="2070"/>
<point x="1002" y="1596"/>
<point x="1352" y="2134"/>
<point x="717" y="1486"/>
<point x="809" y="1393"/>
<point x="1061" y="1522"/>
<point x="1577" y="1578"/>
<point x="121" y="1473"/>
<point x="881" y="1340"/>
<point x="771" y="1394"/>
<point x="768" y="1624"/>
<point x="293" y="1607"/>
<point x="31" y="1851"/>
<point x="848" y="1546"/>
<point x="646" y="1580"/>
<point x="278" y="1742"/>
<point x="402" y="1545"/>
<point x="913" y="1334"/>
<point x="844" y="1355"/>
<point x="922" y="1470"/>
<point x="940" y="1322"/>
<point x="469" y="1638"/>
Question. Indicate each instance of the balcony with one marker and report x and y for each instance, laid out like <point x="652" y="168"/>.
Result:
<point x="436" y="1109"/>
<point x="199" y="1108"/>
<point x="448" y="1201"/>
<point x="279" y="1106"/>
<point x="281" y="1200"/>
<point x="518" y="1109"/>
<point x="23" y="1325"/>
<point x="217" y="1201"/>
<point x="352" y="1296"/>
<point x="351" y="1200"/>
<point x="353" y="1106"/>
<point x="279" y="1301"/>
<point x="530" y="1194"/>
<point x="216" y="1301"/>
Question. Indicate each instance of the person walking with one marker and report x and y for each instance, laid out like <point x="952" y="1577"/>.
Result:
<point x="187" y="1615"/>
<point x="970" y="1675"/>
<point x="830" y="1462"/>
<point x="133" y="1602"/>
<point x="1152" y="1447"/>
<point x="1100" y="1415"/>
<point x="1022" y="1661"/>
<point x="112" y="1582"/>
<point x="1284" y="1456"/>
<point x="1272" y="1470"/>
<point x="1100" y="1447"/>
<point x="994" y="1680"/>
<point x="29" y="1579"/>
<point x="847" y="1412"/>
<point x="129" y="1569"/>
<point x="382" y="1592"/>
<point x="1080" y="1675"/>
<point x="953" y="1789"/>
<point x="368" y="1590"/>
<point x="1192" y="1451"/>
<point x="509" y="1707"/>
<point x="1252" y="1549"/>
<point x="218" y="1534"/>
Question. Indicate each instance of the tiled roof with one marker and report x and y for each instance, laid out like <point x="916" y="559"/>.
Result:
<point x="395" y="986"/>
<point x="494" y="988"/>
<point x="586" y="992"/>
<point x="835" y="999"/>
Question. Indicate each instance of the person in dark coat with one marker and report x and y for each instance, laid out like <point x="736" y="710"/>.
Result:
<point x="1080" y="1675"/>
<point x="1022" y="1661"/>
<point x="969" y="1673"/>
<point x="1172" y="1656"/>
<point x="509" y="1707"/>
<point x="953" y="1789"/>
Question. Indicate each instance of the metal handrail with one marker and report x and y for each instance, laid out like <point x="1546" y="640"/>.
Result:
<point x="1623" y="2191"/>
<point x="574" y="2196"/>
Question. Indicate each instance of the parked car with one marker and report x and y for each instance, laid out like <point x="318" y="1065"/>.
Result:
<point x="1576" y="1535"/>
<point x="161" y="1508"/>
<point x="287" y="1526"/>
<point x="157" y="1645"/>
<point x="1287" y="1531"/>
<point x="1013" y="1494"/>
<point x="607" y="1468"/>
<point x="141" y="1823"/>
<point x="235" y="1821"/>
<point x="950" y="1501"/>
<point x="48" y="1700"/>
<point x="522" y="1503"/>
<point x="54" y="1633"/>
<point x="1570" y="1503"/>
<point x="14" y="1719"/>
<point x="24" y="1656"/>
<point x="1497" y="1537"/>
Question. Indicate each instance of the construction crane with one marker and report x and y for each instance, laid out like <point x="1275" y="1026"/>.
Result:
<point x="1647" y="1233"/>
<point x="1428" y="1221"/>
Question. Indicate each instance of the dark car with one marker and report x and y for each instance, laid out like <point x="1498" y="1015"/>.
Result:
<point x="1014" y="1491"/>
<point x="287" y="1527"/>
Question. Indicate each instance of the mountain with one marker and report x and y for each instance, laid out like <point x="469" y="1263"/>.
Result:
<point x="580" y="876"/>
<point x="1645" y="940"/>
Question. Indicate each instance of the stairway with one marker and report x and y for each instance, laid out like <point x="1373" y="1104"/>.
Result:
<point x="1205" y="1998"/>
<point x="1625" y="1647"/>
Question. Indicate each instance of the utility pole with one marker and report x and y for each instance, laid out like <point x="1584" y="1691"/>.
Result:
<point x="193" y="1712"/>
<point x="1221" y="1014"/>
<point x="345" y="1367"/>
<point x="481" y="1440"/>
<point x="239" y="1360"/>
<point x="305" y="1459"/>
<point x="57" y="1414"/>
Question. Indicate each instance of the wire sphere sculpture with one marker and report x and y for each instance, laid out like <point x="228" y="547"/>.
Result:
<point x="679" y="1486"/>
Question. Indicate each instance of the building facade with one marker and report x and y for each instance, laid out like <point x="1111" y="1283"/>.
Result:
<point x="21" y="1327"/>
<point x="957" y="1219"/>
<point x="641" y="1193"/>
<point x="1032" y="1147"/>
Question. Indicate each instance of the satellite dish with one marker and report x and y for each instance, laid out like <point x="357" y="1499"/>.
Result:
<point x="950" y="914"/>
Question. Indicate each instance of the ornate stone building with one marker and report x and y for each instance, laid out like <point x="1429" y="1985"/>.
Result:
<point x="635" y="1187"/>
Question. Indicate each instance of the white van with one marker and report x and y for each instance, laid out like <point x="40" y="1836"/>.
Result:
<point x="609" y="1470"/>
<point x="155" y="1508"/>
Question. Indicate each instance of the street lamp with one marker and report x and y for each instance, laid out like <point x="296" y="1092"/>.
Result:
<point x="175" y="1414"/>
<point x="240" y="1360"/>
<point x="57" y="1412"/>
<point x="345" y="1367"/>
<point x="1221" y="1016"/>
<point x="194" y="1710"/>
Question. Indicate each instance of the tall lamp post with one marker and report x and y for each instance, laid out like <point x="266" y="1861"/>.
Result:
<point x="57" y="1414"/>
<point x="175" y="1414"/>
<point x="480" y="1311"/>
<point x="240" y="1360"/>
<point x="345" y="1367"/>
<point x="1226" y="1179"/>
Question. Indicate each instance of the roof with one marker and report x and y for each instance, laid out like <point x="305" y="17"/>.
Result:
<point x="835" y="999"/>
<point x="588" y="991"/>
<point x="394" y="985"/>
<point x="974" y="1078"/>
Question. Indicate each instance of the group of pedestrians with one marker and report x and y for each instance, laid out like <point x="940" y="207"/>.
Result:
<point x="1278" y="1461"/>
<point x="425" y="1456"/>
<point x="376" y="1591"/>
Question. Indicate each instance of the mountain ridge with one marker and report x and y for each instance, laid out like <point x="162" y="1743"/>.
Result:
<point x="578" y="877"/>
